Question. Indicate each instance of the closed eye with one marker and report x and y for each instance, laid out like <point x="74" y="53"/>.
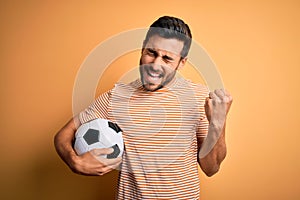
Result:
<point x="151" y="52"/>
<point x="155" y="54"/>
<point x="168" y="58"/>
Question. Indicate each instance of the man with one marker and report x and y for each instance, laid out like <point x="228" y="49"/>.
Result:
<point x="164" y="121"/>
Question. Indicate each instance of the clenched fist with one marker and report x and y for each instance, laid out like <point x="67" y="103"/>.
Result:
<point x="217" y="106"/>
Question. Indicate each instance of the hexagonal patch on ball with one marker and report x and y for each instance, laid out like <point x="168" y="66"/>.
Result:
<point x="91" y="136"/>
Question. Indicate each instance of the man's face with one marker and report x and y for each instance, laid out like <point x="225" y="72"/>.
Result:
<point x="159" y="61"/>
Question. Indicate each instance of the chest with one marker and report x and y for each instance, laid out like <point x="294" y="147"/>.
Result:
<point x="148" y="113"/>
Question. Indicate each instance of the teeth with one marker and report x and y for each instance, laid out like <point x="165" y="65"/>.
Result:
<point x="154" y="75"/>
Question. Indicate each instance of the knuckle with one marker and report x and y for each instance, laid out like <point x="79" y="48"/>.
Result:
<point x="226" y="99"/>
<point x="218" y="91"/>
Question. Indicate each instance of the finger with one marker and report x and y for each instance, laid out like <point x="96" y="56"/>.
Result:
<point x="212" y="95"/>
<point x="207" y="99"/>
<point x="109" y="162"/>
<point x="113" y="161"/>
<point x="220" y="93"/>
<point x="228" y="95"/>
<point x="105" y="170"/>
<point x="226" y="92"/>
<point x="113" y="166"/>
<point x="102" y="151"/>
<point x="109" y="168"/>
<point x="208" y="102"/>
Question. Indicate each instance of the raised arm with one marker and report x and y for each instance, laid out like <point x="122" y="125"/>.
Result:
<point x="213" y="148"/>
<point x="89" y="163"/>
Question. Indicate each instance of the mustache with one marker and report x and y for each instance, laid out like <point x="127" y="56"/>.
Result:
<point x="150" y="69"/>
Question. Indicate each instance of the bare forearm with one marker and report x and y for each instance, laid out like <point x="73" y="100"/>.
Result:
<point x="213" y="150"/>
<point x="63" y="142"/>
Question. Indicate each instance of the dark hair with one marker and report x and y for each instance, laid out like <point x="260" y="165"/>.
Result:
<point x="171" y="27"/>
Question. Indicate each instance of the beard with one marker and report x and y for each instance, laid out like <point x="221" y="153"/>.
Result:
<point x="154" y="79"/>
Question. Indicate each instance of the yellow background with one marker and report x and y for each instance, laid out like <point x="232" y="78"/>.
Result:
<point x="255" y="45"/>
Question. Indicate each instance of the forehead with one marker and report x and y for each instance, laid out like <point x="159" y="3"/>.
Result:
<point x="171" y="45"/>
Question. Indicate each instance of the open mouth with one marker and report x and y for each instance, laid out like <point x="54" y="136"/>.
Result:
<point x="154" y="74"/>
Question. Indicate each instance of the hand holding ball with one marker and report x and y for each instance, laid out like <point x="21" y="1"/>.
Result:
<point x="99" y="133"/>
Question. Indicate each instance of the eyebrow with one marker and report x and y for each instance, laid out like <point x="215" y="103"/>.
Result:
<point x="167" y="57"/>
<point x="164" y="56"/>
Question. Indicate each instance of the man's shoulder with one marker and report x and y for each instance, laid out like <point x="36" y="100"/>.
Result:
<point x="132" y="85"/>
<point x="125" y="88"/>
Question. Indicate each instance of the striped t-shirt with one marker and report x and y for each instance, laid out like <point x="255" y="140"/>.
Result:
<point x="160" y="131"/>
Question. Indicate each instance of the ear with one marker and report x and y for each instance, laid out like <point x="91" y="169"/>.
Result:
<point x="182" y="63"/>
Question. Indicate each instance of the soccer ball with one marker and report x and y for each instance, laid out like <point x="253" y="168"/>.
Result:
<point x="99" y="133"/>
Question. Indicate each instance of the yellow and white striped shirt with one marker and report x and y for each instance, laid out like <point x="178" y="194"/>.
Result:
<point x="160" y="131"/>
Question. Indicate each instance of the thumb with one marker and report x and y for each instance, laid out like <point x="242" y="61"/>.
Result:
<point x="207" y="107"/>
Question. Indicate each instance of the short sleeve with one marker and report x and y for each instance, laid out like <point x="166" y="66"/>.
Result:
<point x="98" y="109"/>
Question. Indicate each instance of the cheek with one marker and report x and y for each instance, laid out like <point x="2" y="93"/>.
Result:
<point x="145" y="60"/>
<point x="169" y="69"/>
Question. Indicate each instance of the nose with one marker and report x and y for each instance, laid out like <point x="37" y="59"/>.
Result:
<point x="157" y="63"/>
